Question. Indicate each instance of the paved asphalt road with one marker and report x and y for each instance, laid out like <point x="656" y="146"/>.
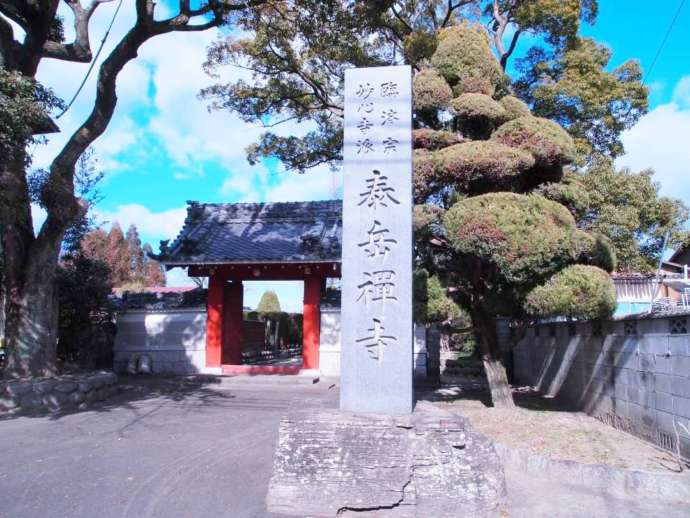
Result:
<point x="159" y="450"/>
<point x="173" y="448"/>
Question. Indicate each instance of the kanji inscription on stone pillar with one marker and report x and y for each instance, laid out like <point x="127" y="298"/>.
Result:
<point x="376" y="312"/>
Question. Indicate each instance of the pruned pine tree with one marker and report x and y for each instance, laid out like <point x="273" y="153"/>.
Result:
<point x="500" y="248"/>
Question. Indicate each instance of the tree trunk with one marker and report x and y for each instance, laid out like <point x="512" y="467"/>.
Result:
<point x="28" y="284"/>
<point x="31" y="327"/>
<point x="492" y="358"/>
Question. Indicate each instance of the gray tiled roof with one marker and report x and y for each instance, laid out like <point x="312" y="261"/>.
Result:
<point x="258" y="232"/>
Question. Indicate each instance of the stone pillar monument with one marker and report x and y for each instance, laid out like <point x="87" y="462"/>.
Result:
<point x="377" y="343"/>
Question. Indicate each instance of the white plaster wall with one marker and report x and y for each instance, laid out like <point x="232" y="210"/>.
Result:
<point x="329" y="350"/>
<point x="175" y="340"/>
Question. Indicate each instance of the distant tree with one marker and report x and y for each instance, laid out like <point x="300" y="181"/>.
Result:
<point x="577" y="88"/>
<point x="135" y="254"/>
<point x="153" y="272"/>
<point x="117" y="254"/>
<point x="269" y="303"/>
<point x="626" y="207"/>
<point x="128" y="261"/>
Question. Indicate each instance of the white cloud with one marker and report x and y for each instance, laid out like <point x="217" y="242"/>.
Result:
<point x="178" y="277"/>
<point x="661" y="141"/>
<point x="153" y="226"/>
<point x="319" y="183"/>
<point x="681" y="93"/>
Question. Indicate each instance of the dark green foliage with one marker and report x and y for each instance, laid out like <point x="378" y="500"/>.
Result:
<point x="481" y="166"/>
<point x="544" y="139"/>
<point x="464" y="58"/>
<point x="523" y="238"/>
<point x="291" y="84"/>
<point x="570" y="191"/>
<point x="85" y="327"/>
<point x="514" y="107"/>
<point x="595" y="249"/>
<point x="431" y="91"/>
<point x="432" y="303"/>
<point x="480" y="111"/>
<point x="579" y="291"/>
<point x="626" y="207"/>
<point x="577" y="88"/>
<point x="425" y="138"/>
<point x="477" y="115"/>
<point x="419" y="46"/>
<point x="440" y="307"/>
<point x="24" y="108"/>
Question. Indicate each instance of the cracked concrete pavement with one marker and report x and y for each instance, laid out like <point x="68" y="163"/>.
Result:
<point x="163" y="448"/>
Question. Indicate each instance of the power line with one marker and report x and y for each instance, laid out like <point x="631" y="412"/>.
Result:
<point x="663" y="41"/>
<point x="93" y="62"/>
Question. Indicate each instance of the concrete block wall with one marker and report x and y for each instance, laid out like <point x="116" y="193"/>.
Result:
<point x="633" y="374"/>
<point x="175" y="340"/>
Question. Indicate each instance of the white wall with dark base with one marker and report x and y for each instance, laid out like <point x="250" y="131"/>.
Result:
<point x="175" y="340"/>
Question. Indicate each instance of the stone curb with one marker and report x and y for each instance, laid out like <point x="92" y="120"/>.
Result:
<point x="66" y="392"/>
<point x="637" y="484"/>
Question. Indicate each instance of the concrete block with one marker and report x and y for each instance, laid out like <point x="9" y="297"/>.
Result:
<point x="681" y="366"/>
<point x="617" y="343"/>
<point x="663" y="364"/>
<point x="645" y="380"/>
<point x="621" y="376"/>
<point x="654" y="344"/>
<point x="678" y="345"/>
<point x="646" y="362"/>
<point x="620" y="391"/>
<point x="626" y="359"/>
<point x="680" y="386"/>
<point x="640" y="397"/>
<point x="664" y="402"/>
<point x="681" y="407"/>
<point x="663" y="383"/>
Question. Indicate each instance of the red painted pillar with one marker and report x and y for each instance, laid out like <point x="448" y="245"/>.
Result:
<point x="214" y="322"/>
<point x="311" y="323"/>
<point x="232" y="328"/>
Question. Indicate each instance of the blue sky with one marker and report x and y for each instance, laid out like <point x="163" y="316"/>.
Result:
<point x="163" y="147"/>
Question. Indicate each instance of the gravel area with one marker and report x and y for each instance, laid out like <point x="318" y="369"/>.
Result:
<point x="539" y="424"/>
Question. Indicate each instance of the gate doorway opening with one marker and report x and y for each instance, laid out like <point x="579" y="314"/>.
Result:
<point x="272" y="323"/>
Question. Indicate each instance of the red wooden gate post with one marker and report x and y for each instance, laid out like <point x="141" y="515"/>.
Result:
<point x="233" y="317"/>
<point x="214" y="322"/>
<point x="311" y="323"/>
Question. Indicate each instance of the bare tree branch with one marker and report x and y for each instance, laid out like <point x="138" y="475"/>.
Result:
<point x="501" y="22"/>
<point x="509" y="52"/>
<point x="80" y="49"/>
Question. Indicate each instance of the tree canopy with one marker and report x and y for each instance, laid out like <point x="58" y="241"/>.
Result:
<point x="626" y="207"/>
<point x="129" y="265"/>
<point x="562" y="76"/>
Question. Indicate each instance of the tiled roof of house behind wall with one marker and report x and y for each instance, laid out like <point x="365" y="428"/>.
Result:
<point x="257" y="232"/>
